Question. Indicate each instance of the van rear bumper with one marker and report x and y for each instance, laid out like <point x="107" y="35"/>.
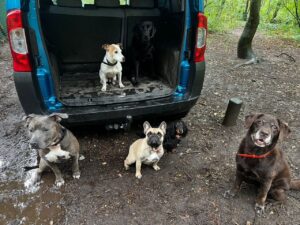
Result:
<point x="119" y="113"/>
<point x="32" y="102"/>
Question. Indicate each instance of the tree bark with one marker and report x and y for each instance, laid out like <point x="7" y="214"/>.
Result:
<point x="244" y="50"/>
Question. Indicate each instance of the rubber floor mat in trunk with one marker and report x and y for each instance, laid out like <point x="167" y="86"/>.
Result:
<point x="85" y="89"/>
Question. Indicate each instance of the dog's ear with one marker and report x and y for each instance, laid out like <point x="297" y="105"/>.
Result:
<point x="120" y="45"/>
<point x="57" y="117"/>
<point x="146" y="126"/>
<point x="284" y="130"/>
<point x="250" y="119"/>
<point x="163" y="126"/>
<point x="105" y="47"/>
<point x="27" y="119"/>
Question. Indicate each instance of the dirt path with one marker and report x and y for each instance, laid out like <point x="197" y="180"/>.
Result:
<point x="192" y="180"/>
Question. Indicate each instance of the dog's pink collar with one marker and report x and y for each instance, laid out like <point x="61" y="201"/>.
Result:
<point x="253" y="156"/>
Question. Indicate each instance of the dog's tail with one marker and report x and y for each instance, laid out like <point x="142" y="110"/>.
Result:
<point x="27" y="168"/>
<point x="295" y="184"/>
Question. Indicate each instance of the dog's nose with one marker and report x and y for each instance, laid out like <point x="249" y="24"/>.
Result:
<point x="264" y="133"/>
<point x="34" y="145"/>
<point x="154" y="144"/>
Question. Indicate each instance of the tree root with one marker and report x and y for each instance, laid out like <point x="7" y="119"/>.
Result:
<point x="249" y="62"/>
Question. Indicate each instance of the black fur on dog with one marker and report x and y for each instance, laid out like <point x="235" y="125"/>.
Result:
<point x="176" y="130"/>
<point x="142" y="52"/>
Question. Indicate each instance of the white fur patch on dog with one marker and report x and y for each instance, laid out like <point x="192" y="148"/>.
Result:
<point x="151" y="158"/>
<point x="55" y="153"/>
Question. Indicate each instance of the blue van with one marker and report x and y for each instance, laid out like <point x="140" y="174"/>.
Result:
<point x="56" y="51"/>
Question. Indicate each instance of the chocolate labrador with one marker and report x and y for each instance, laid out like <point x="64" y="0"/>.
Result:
<point x="260" y="160"/>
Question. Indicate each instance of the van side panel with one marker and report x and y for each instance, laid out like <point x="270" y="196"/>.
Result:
<point x="43" y="72"/>
<point x="13" y="4"/>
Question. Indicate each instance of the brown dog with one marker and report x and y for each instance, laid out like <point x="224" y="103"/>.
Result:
<point x="259" y="159"/>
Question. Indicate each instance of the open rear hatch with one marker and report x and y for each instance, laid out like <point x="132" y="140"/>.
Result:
<point x="74" y="36"/>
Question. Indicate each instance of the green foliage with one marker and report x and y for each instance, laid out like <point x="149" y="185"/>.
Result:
<point x="225" y="15"/>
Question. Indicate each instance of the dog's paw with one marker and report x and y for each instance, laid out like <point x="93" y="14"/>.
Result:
<point x="121" y="85"/>
<point x="103" y="89"/>
<point x="76" y="175"/>
<point x="133" y="81"/>
<point x="156" y="167"/>
<point x="59" y="182"/>
<point x="229" y="194"/>
<point x="259" y="209"/>
<point x="126" y="167"/>
<point x="138" y="176"/>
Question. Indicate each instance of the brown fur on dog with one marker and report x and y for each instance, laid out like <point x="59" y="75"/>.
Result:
<point x="272" y="172"/>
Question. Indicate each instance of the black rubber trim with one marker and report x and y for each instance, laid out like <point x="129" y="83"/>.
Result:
<point x="197" y="79"/>
<point x="118" y="113"/>
<point x="27" y="94"/>
<point x="100" y="12"/>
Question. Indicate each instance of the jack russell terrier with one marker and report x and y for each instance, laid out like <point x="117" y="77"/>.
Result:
<point x="111" y="67"/>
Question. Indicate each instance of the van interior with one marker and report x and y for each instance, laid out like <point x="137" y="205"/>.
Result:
<point x="73" y="36"/>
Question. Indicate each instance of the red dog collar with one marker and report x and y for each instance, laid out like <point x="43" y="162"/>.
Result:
<point x="252" y="156"/>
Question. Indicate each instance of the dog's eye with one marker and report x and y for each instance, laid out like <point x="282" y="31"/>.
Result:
<point x="259" y="122"/>
<point x="31" y="130"/>
<point x="149" y="133"/>
<point x="45" y="129"/>
<point x="116" y="52"/>
<point x="159" y="134"/>
<point x="274" y="127"/>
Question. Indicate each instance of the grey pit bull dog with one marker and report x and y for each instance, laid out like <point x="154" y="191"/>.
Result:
<point x="54" y="143"/>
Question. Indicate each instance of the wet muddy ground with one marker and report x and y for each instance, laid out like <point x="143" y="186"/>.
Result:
<point x="190" y="185"/>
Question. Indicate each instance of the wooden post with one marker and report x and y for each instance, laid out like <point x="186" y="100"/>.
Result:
<point x="232" y="112"/>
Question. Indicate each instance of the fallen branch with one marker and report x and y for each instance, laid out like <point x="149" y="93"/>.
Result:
<point x="185" y="153"/>
<point x="291" y="58"/>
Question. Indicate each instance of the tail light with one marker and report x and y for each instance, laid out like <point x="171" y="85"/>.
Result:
<point x="200" y="38"/>
<point x="17" y="40"/>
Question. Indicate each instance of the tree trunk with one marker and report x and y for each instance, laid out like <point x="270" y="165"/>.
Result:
<point x="245" y="13"/>
<point x="244" y="50"/>
<point x="278" y="6"/>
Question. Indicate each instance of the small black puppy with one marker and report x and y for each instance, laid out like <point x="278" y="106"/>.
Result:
<point x="175" y="132"/>
<point x="142" y="51"/>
